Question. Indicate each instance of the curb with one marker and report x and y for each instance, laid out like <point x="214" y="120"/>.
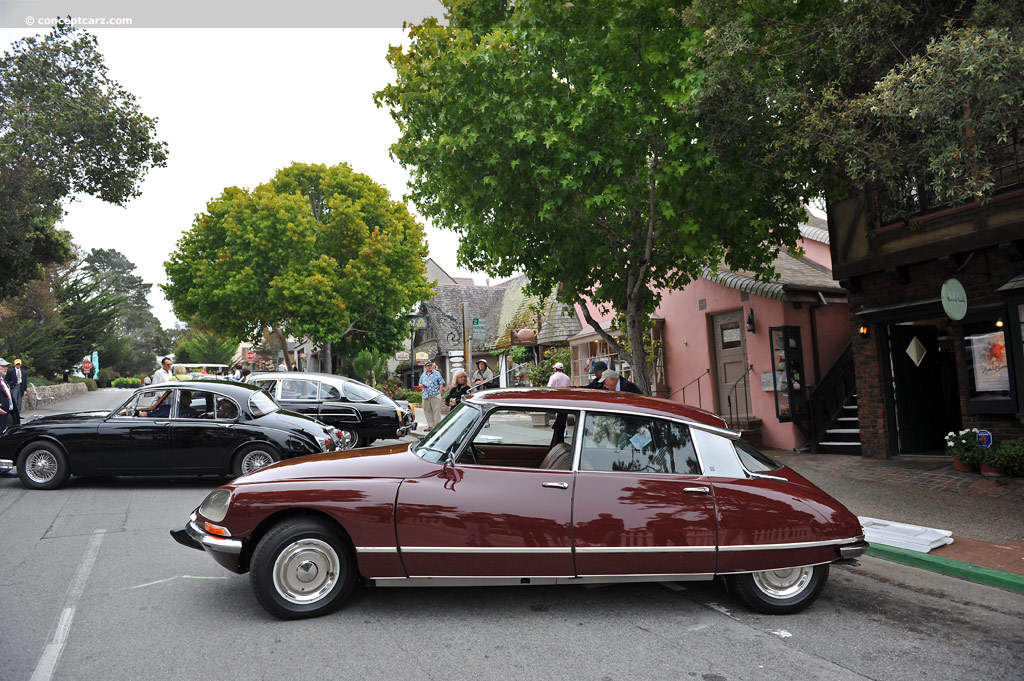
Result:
<point x="999" y="579"/>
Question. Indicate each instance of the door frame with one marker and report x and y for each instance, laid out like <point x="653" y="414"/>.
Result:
<point x="715" y="363"/>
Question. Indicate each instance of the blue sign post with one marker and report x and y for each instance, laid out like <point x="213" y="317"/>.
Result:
<point x="985" y="438"/>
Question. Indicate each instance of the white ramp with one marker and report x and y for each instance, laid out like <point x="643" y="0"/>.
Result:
<point x="904" y="536"/>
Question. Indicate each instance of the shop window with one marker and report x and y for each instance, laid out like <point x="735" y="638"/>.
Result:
<point x="990" y="377"/>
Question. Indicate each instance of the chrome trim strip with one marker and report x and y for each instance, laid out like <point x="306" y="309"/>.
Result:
<point x="794" y="545"/>
<point x="645" y="549"/>
<point x="536" y="581"/>
<point x="6" y="465"/>
<point x="489" y="550"/>
<point x="763" y="476"/>
<point x="749" y="572"/>
<point x="212" y="542"/>
<point x="376" y="549"/>
<point x="718" y="430"/>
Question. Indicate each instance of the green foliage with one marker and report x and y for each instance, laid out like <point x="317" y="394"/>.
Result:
<point x="889" y="95"/>
<point x="555" y="138"/>
<point x="198" y="347"/>
<point x="520" y="354"/>
<point x="67" y="129"/>
<point x="323" y="251"/>
<point x="540" y="373"/>
<point x="106" y="376"/>
<point x="39" y="380"/>
<point x="127" y="383"/>
<point x="371" y="366"/>
<point x="89" y="383"/>
<point x="1007" y="455"/>
<point x="965" y="446"/>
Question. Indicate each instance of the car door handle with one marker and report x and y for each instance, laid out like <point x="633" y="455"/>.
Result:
<point x="555" y="485"/>
<point x="160" y="423"/>
<point x="225" y="425"/>
<point x="698" y="490"/>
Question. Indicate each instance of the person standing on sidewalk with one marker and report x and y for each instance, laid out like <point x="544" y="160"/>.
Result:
<point x="559" y="379"/>
<point x="8" y="410"/>
<point x="432" y="385"/>
<point x="459" y="389"/>
<point x="17" y="381"/>
<point x="615" y="383"/>
<point x="163" y="374"/>
<point x="483" y="375"/>
<point x="598" y="368"/>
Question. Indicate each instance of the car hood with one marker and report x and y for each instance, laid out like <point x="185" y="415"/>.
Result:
<point x="388" y="461"/>
<point x="73" y="417"/>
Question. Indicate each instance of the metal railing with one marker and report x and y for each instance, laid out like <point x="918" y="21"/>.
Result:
<point x="697" y="381"/>
<point x="828" y="397"/>
<point x="734" y="407"/>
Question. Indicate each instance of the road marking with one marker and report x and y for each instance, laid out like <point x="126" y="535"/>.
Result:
<point x="782" y="633"/>
<point x="51" y="653"/>
<point x="170" y="579"/>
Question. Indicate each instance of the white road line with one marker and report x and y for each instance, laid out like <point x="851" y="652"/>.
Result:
<point x="51" y="653"/>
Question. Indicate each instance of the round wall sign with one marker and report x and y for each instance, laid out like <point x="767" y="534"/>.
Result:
<point x="954" y="299"/>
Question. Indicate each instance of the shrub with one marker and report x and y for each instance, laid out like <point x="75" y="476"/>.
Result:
<point x="89" y="383"/>
<point x="39" y="380"/>
<point x="413" y="397"/>
<point x="107" y="376"/>
<point x="1007" y="455"/>
<point x="127" y="382"/>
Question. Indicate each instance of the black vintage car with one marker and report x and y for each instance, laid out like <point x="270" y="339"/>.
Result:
<point x="174" y="428"/>
<point x="361" y="413"/>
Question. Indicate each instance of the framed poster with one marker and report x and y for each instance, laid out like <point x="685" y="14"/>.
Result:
<point x="988" y="360"/>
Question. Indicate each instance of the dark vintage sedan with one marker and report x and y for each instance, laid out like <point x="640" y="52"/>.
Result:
<point x="361" y="413"/>
<point x="532" y="486"/>
<point x="175" y="428"/>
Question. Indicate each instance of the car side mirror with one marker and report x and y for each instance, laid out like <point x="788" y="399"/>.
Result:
<point x="449" y="461"/>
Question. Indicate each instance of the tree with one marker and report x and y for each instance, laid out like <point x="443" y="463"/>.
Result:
<point x="196" y="347"/>
<point x="371" y="366"/>
<point x="66" y="128"/>
<point x="553" y="138"/>
<point x="320" y="251"/>
<point x="894" y="97"/>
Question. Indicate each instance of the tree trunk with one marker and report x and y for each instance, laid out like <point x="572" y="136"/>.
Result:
<point x="636" y="331"/>
<point x="326" y="356"/>
<point x="284" y="346"/>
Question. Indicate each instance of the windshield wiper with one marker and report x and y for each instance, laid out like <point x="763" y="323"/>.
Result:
<point x="443" y="453"/>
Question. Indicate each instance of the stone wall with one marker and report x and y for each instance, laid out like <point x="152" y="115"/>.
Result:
<point x="43" y="395"/>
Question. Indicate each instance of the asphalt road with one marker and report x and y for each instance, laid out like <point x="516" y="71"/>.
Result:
<point x="92" y="588"/>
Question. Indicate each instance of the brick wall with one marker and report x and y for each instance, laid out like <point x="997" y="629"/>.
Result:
<point x="981" y="274"/>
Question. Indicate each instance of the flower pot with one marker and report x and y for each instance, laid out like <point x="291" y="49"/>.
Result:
<point x="961" y="466"/>
<point x="990" y="471"/>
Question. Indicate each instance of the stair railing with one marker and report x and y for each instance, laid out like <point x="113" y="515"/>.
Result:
<point x="735" y="414"/>
<point x="826" y="401"/>
<point x="697" y="381"/>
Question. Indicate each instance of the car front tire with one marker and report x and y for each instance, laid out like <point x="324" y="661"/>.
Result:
<point x="302" y="568"/>
<point x="252" y="458"/>
<point x="780" y="592"/>
<point x="43" y="465"/>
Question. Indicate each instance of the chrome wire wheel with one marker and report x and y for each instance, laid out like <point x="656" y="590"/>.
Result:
<point x="784" y="583"/>
<point x="306" y="571"/>
<point x="255" y="460"/>
<point x="41" y="466"/>
<point x="347" y="439"/>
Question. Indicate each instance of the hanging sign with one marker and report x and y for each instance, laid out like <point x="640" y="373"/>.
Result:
<point x="954" y="299"/>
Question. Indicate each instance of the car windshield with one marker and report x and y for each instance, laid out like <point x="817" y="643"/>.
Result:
<point x="360" y="392"/>
<point x="446" y="437"/>
<point x="260" y="404"/>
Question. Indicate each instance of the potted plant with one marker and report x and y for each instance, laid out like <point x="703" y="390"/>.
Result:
<point x="1004" y="458"/>
<point x="964" y="448"/>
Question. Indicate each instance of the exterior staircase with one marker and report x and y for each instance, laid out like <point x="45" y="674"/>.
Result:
<point x="842" y="436"/>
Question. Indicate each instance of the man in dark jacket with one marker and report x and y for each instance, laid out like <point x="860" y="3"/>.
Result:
<point x="598" y="368"/>
<point x="17" y="381"/>
<point x="613" y="382"/>
<point x="8" y="407"/>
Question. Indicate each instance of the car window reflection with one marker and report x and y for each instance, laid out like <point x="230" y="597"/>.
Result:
<point x="614" y="442"/>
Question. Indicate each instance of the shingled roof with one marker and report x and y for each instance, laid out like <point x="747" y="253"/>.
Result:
<point x="799" y="279"/>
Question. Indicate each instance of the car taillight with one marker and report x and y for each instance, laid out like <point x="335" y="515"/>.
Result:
<point x="217" y="529"/>
<point x="327" y="444"/>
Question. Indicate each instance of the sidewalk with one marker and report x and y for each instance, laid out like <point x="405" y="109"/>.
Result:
<point x="986" y="515"/>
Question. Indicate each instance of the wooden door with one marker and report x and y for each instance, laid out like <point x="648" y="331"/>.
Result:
<point x="917" y="383"/>
<point x="730" y="344"/>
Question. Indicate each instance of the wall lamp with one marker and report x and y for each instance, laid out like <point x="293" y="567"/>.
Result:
<point x="863" y="330"/>
<point x="750" y="321"/>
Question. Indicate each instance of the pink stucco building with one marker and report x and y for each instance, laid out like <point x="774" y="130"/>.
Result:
<point x="717" y="352"/>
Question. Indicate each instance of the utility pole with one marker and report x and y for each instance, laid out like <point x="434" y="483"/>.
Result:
<point x="467" y="345"/>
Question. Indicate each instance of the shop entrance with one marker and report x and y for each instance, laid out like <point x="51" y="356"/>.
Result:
<point x="924" y="384"/>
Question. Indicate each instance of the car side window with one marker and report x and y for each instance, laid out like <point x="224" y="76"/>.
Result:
<point x="192" y="404"/>
<point x="299" y="390"/>
<point x="226" y="410"/>
<point x="329" y="393"/>
<point x="617" y="442"/>
<point x="154" y="404"/>
<point x="267" y="384"/>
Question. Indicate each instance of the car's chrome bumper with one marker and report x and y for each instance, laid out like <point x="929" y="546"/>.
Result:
<point x="403" y="431"/>
<point x="851" y="551"/>
<point x="6" y="465"/>
<point x="195" y="537"/>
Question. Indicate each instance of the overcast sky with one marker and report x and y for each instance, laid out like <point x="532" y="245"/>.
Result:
<point x="234" y="106"/>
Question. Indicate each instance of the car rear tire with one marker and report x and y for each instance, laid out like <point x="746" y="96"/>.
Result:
<point x="348" y="438"/>
<point x="43" y="465"/>
<point x="252" y="458"/>
<point x="301" y="568"/>
<point x="780" y="592"/>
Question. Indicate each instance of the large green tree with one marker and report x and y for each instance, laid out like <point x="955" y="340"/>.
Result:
<point x="907" y="99"/>
<point x="66" y="128"/>
<point x="319" y="251"/>
<point x="553" y="137"/>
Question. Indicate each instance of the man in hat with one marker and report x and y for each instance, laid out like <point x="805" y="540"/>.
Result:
<point x="17" y="381"/>
<point x="8" y="410"/>
<point x="483" y="374"/>
<point x="559" y="379"/>
<point x="432" y="384"/>
<point x="615" y="383"/>
<point x="597" y="368"/>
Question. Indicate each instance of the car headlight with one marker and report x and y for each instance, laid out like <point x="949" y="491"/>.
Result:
<point x="215" y="506"/>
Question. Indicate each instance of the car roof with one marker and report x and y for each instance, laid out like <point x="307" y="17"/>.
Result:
<point x="311" y="375"/>
<point x="228" y="386"/>
<point x="602" y="400"/>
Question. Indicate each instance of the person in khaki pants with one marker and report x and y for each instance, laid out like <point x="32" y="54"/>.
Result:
<point x="432" y="384"/>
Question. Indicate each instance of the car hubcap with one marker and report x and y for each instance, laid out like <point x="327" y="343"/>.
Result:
<point x="346" y="439"/>
<point x="255" y="460"/>
<point x="783" y="583"/>
<point x="306" y="571"/>
<point x="41" y="466"/>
